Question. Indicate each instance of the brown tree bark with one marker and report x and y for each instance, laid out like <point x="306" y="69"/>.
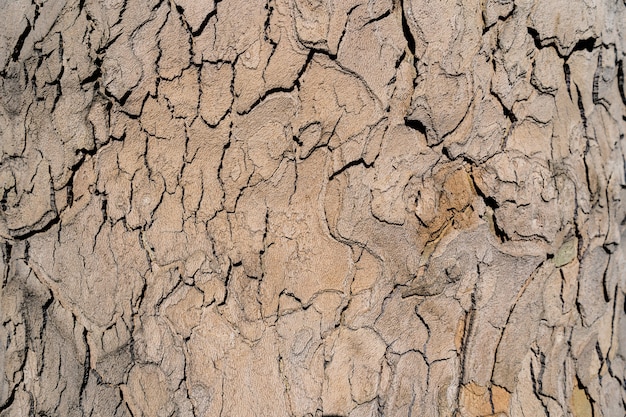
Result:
<point x="307" y="207"/>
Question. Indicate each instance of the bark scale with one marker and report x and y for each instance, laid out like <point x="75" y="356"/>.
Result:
<point x="307" y="207"/>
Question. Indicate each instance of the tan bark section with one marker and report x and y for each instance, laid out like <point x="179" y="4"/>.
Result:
<point x="307" y="208"/>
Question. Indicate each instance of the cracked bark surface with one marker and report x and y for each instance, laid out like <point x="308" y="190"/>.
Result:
<point x="307" y="208"/>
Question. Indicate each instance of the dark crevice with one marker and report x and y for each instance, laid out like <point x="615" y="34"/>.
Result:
<point x="57" y="97"/>
<point x="292" y="295"/>
<point x="204" y="23"/>
<point x="124" y="402"/>
<point x="349" y="165"/>
<point x="94" y="76"/>
<point x="111" y="41"/>
<point x="28" y="232"/>
<point x="493" y="205"/>
<point x="600" y="355"/>
<point x="509" y="115"/>
<point x="9" y="400"/>
<point x="86" y="369"/>
<point x="267" y="24"/>
<point x="121" y="100"/>
<point x="377" y="19"/>
<point x="17" y="50"/>
<point x="26" y="252"/>
<point x="535" y="35"/>
<point x="596" y="80"/>
<point x="330" y="55"/>
<point x="397" y="65"/>
<point x="410" y="39"/>
<point x="568" y="78"/>
<point x="345" y="29"/>
<point x="275" y="90"/>
<point x="221" y="166"/>
<point x="500" y="19"/>
<point x="467" y="331"/>
<point x="265" y="95"/>
<point x="156" y="6"/>
<point x="586" y="391"/>
<point x="536" y="381"/>
<point x="584" y="45"/>
<point x="605" y="282"/>
<point x="297" y="140"/>
<point x="543" y="362"/>
<point x="4" y="199"/>
<point x="620" y="80"/>
<point x="489" y="201"/>
<point x="581" y="108"/>
<point x="415" y="125"/>
<point x="44" y="318"/>
<point x="231" y="265"/>
<point x="7" y="249"/>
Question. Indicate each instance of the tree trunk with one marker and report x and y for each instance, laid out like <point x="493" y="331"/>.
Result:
<point x="307" y="208"/>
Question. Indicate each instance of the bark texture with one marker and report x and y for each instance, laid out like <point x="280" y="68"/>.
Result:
<point x="312" y="207"/>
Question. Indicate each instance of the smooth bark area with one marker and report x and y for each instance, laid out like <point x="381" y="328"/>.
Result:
<point x="312" y="207"/>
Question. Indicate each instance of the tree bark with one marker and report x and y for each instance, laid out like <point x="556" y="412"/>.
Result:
<point x="307" y="208"/>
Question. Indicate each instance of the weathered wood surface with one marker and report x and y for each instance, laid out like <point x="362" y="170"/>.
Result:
<point x="307" y="207"/>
